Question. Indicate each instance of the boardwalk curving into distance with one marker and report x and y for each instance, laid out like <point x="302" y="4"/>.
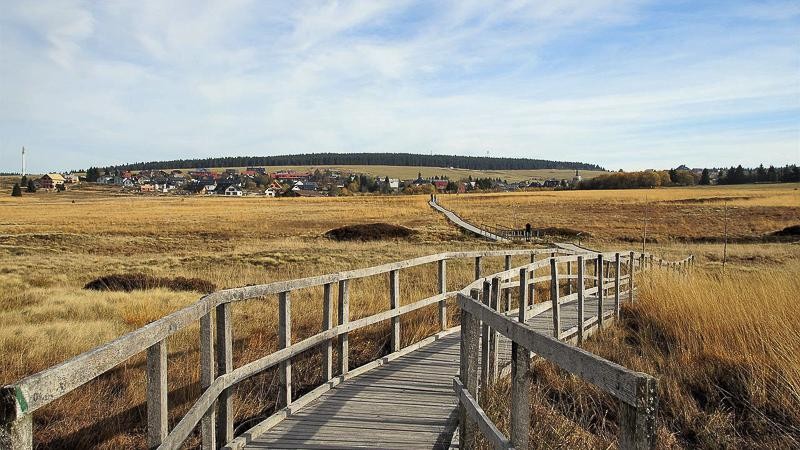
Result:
<point x="463" y="224"/>
<point x="407" y="398"/>
<point x="406" y="403"/>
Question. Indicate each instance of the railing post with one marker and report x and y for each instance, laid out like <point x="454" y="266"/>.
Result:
<point x="617" y="265"/>
<point x="581" y="287"/>
<point x="532" y="285"/>
<point x="600" y="287"/>
<point x="224" y="366"/>
<point x="470" y="338"/>
<point x="520" y="381"/>
<point x="327" y="324"/>
<point x="344" y="318"/>
<point x="556" y="309"/>
<point x="443" y="290"/>
<point x="485" y="298"/>
<point x="157" y="412"/>
<point x="394" y="287"/>
<point x="631" y="271"/>
<point x="637" y="424"/>
<point x="477" y="267"/>
<point x="16" y="430"/>
<point x="569" y="279"/>
<point x="495" y="336"/>
<point x="507" y="296"/>
<point x="285" y="340"/>
<point x="207" y="425"/>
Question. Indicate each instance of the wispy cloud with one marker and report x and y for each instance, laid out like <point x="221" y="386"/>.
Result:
<point x="622" y="83"/>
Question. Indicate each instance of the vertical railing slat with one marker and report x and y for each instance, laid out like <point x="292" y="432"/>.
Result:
<point x="637" y="423"/>
<point x="507" y="296"/>
<point x="495" y="336"/>
<point x="581" y="298"/>
<point x="224" y="365"/>
<point x="394" y="303"/>
<point x="344" y="318"/>
<point x="470" y="341"/>
<point x="285" y="340"/>
<point x="520" y="381"/>
<point x="617" y="265"/>
<point x="485" y="298"/>
<point x="442" y="290"/>
<point x="556" y="308"/>
<point x="327" y="324"/>
<point x="631" y="271"/>
<point x="157" y="411"/>
<point x="207" y="424"/>
<point x="600" y="287"/>
<point x="478" y="268"/>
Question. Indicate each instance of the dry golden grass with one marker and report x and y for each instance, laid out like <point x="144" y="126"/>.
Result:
<point x="674" y="214"/>
<point x="50" y="247"/>
<point x="723" y="347"/>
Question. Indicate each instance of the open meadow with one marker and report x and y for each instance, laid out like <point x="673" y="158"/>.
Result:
<point x="52" y="244"/>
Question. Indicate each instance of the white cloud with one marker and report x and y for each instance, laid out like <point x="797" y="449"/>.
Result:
<point x="617" y="83"/>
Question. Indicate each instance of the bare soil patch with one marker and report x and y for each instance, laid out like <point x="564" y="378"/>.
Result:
<point x="369" y="232"/>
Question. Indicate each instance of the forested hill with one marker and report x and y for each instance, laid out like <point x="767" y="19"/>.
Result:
<point x="383" y="159"/>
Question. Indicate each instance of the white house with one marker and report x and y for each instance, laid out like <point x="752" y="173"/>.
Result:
<point x="233" y="191"/>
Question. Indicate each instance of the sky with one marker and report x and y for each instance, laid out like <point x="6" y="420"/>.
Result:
<point x="624" y="84"/>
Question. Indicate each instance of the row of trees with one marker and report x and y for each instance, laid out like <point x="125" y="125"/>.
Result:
<point x="386" y="159"/>
<point x="645" y="179"/>
<point x="740" y="175"/>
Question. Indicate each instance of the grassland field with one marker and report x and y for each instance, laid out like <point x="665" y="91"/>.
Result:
<point x="52" y="244"/>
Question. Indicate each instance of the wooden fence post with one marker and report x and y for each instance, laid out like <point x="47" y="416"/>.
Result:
<point x="477" y="267"/>
<point x="554" y="298"/>
<point x="637" y="424"/>
<point x="16" y="432"/>
<point x="495" y="336"/>
<point x="485" y="332"/>
<point x="157" y="412"/>
<point x="581" y="287"/>
<point x="532" y="285"/>
<point x="207" y="424"/>
<point x="285" y="340"/>
<point x="569" y="277"/>
<point x="327" y="324"/>
<point x="224" y="365"/>
<point x="394" y="287"/>
<point x="520" y="381"/>
<point x="617" y="265"/>
<point x="631" y="271"/>
<point x="470" y="341"/>
<point x="600" y="287"/>
<point x="442" y="290"/>
<point x="507" y="296"/>
<point x="344" y="318"/>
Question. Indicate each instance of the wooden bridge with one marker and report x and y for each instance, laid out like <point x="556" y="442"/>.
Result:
<point x="414" y="397"/>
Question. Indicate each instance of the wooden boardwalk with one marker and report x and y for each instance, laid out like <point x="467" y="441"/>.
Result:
<point x="463" y="224"/>
<point x="406" y="403"/>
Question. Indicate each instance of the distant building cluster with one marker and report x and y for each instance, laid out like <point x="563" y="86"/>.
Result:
<point x="258" y="181"/>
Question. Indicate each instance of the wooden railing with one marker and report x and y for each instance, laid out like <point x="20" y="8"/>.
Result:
<point x="482" y="319"/>
<point x="213" y="409"/>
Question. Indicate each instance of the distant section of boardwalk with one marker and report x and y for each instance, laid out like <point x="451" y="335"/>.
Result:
<point x="461" y="223"/>
<point x="406" y="403"/>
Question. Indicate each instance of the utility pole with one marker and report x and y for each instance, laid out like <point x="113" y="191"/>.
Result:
<point x="23" y="161"/>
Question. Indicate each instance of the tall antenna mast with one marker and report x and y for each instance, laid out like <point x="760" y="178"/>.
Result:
<point x="23" y="161"/>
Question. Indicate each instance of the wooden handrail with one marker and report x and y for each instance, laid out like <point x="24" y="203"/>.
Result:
<point x="636" y="391"/>
<point x="19" y="400"/>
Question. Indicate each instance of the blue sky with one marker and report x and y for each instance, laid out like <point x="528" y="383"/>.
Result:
<point x="624" y="84"/>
